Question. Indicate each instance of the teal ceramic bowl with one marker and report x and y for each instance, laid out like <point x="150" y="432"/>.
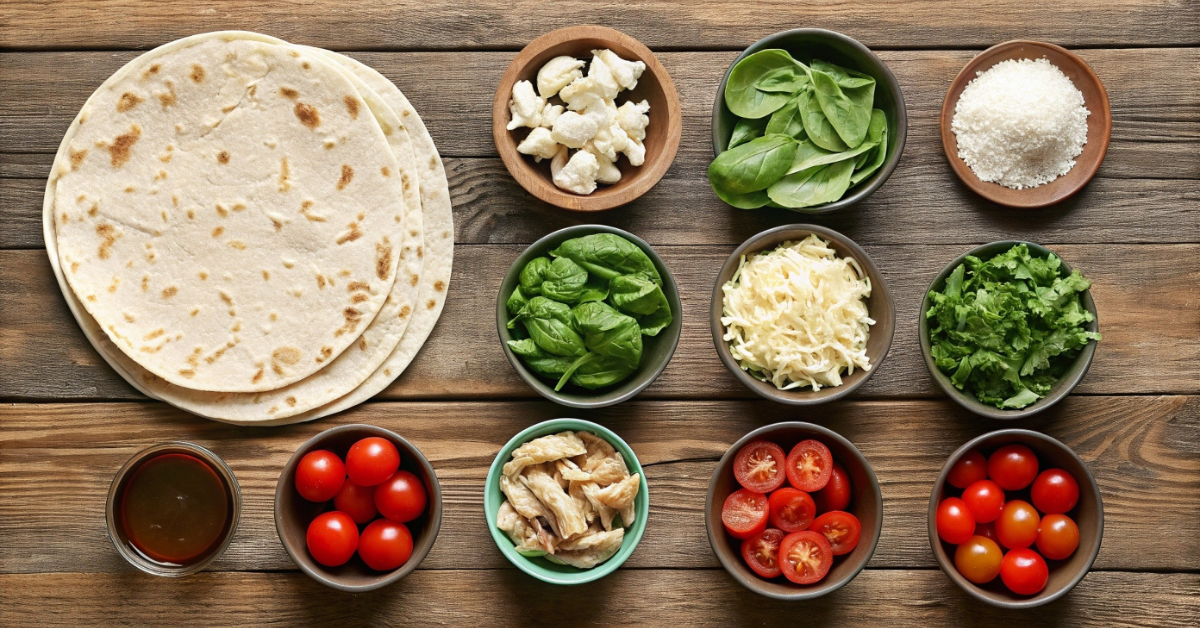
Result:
<point x="541" y="568"/>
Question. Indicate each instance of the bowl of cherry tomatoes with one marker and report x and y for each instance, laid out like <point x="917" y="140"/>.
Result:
<point x="1015" y="518"/>
<point x="357" y="507"/>
<point x="793" y="511"/>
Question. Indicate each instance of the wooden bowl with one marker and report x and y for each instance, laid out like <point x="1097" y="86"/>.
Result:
<point x="655" y="86"/>
<point x="866" y="503"/>
<point x="879" y="305"/>
<point x="1099" y="125"/>
<point x="1088" y="514"/>
<point x="293" y="513"/>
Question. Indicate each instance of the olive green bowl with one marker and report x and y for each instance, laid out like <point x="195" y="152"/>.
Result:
<point x="656" y="350"/>
<point x="541" y="568"/>
<point x="1061" y="388"/>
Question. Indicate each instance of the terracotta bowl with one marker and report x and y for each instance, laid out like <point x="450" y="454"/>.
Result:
<point x="655" y="86"/>
<point x="1088" y="514"/>
<point x="1099" y="125"/>
<point x="866" y="503"/>
<point x="293" y="513"/>
<point x="879" y="305"/>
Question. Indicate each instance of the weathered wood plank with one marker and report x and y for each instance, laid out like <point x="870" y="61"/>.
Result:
<point x="1145" y="295"/>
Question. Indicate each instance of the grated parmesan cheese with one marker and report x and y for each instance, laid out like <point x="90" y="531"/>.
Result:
<point x="796" y="315"/>
<point x="1021" y="123"/>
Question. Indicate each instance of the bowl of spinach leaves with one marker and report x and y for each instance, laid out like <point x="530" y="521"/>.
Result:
<point x="808" y="120"/>
<point x="1008" y="329"/>
<point x="589" y="316"/>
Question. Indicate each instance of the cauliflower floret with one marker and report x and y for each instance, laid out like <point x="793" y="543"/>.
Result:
<point x="539" y="143"/>
<point x="603" y="76"/>
<point x="526" y="106"/>
<point x="633" y="119"/>
<point x="550" y="114"/>
<point x="573" y="130"/>
<point x="625" y="72"/>
<point x="578" y="175"/>
<point x="635" y="152"/>
<point x="609" y="141"/>
<point x="608" y="173"/>
<point x="557" y="74"/>
<point x="559" y="160"/>
<point x="582" y="94"/>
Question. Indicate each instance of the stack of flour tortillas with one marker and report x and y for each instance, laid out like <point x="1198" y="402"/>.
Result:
<point x="250" y="230"/>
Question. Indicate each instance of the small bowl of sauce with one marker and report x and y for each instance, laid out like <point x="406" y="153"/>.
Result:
<point x="173" y="508"/>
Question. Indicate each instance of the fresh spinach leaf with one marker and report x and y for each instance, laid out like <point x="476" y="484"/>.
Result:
<point x="809" y="156"/>
<point x="608" y="255"/>
<point x="844" y="77"/>
<point x="595" y="371"/>
<point x="564" y="281"/>
<point x="848" y="110"/>
<point x="815" y="186"/>
<point x="786" y="80"/>
<point x="749" y="200"/>
<point x="817" y="126"/>
<point x="612" y="338"/>
<point x="644" y="300"/>
<point x="878" y="129"/>
<point x="746" y="130"/>
<point x="787" y="121"/>
<point x="549" y="324"/>
<point x="742" y="97"/>
<point x="533" y="275"/>
<point x="654" y="323"/>
<point x="541" y="363"/>
<point x="754" y="165"/>
<point x="516" y="301"/>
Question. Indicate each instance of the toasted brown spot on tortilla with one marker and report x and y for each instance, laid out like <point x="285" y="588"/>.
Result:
<point x="284" y="185"/>
<point x="383" y="259"/>
<point x="216" y="355"/>
<point x="344" y="273"/>
<point x="151" y="70"/>
<point x="169" y="292"/>
<point x="291" y="401"/>
<point x="362" y="344"/>
<point x="325" y="353"/>
<point x="167" y="98"/>
<point x="112" y="287"/>
<point x="164" y="215"/>
<point x="353" y="233"/>
<point x="128" y="101"/>
<point x="236" y="327"/>
<point x="145" y="282"/>
<point x="347" y="176"/>
<point x="320" y="281"/>
<point x="359" y="298"/>
<point x="287" y="355"/>
<point x="433" y="162"/>
<point x="358" y="285"/>
<point x="165" y="158"/>
<point x="387" y="372"/>
<point x="119" y="151"/>
<point x="439" y="285"/>
<point x="197" y="73"/>
<point x="351" y="106"/>
<point x="195" y="311"/>
<point x="330" y="144"/>
<point x="432" y="304"/>
<point x="154" y="334"/>
<point x="203" y="275"/>
<point x="420" y="252"/>
<point x="94" y="208"/>
<point x="304" y="211"/>
<point x="223" y="157"/>
<point x="237" y="207"/>
<point x="226" y="298"/>
<point x="275" y="221"/>
<point x="352" y="317"/>
<point x="307" y="114"/>
<point x="162" y="174"/>
<point x="386" y="172"/>
<point x="191" y="214"/>
<point x="257" y="377"/>
<point x="74" y="267"/>
<point x="273" y="316"/>
<point x="305" y="65"/>
<point x="289" y="93"/>
<point x="407" y="185"/>
<point x="218" y="231"/>
<point x="238" y="244"/>
<point x="221" y="211"/>
<point x="266" y="276"/>
<point x="128" y="317"/>
<point x="414" y="279"/>
<point x="188" y="373"/>
<point x="91" y="297"/>
<point x="76" y="156"/>
<point x="108" y="236"/>
<point x="405" y="311"/>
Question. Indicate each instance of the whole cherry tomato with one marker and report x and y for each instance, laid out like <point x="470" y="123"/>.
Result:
<point x="985" y="500"/>
<point x="319" y="475"/>
<point x="969" y="469"/>
<point x="1054" y="492"/>
<point x="401" y="498"/>
<point x="356" y="501"/>
<point x="978" y="560"/>
<point x="385" y="545"/>
<point x="1058" y="537"/>
<point x="372" y="460"/>
<point x="332" y="538"/>
<point x="1013" y="467"/>
<point x="987" y="530"/>
<point x="1024" y="572"/>
<point x="836" y="494"/>
<point x="954" y="521"/>
<point x="1017" y="526"/>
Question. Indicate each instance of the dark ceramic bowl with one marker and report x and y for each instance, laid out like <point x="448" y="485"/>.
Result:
<point x="1088" y="514"/>
<point x="656" y="350"/>
<point x="967" y="400"/>
<point x="805" y="44"/>
<point x="879" y="305"/>
<point x="293" y="513"/>
<point x="866" y="503"/>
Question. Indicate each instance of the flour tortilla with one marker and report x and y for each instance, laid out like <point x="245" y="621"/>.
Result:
<point x="137" y="271"/>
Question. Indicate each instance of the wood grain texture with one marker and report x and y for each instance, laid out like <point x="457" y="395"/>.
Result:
<point x="57" y="460"/>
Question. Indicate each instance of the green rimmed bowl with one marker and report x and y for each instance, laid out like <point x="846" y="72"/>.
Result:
<point x="541" y="568"/>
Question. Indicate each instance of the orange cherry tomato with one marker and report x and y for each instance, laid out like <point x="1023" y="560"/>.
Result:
<point x="1017" y="526"/>
<point x="1058" y="537"/>
<point x="978" y="560"/>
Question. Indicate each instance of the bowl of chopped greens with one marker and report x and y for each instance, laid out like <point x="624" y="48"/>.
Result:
<point x="589" y="316"/>
<point x="808" y="120"/>
<point x="1008" y="329"/>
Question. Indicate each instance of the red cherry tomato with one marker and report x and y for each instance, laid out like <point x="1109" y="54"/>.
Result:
<point x="978" y="560"/>
<point x="319" y="475"/>
<point x="985" y="500"/>
<point x="1013" y="467"/>
<point x="758" y="466"/>
<point x="1024" y="572"/>
<point x="840" y="528"/>
<point x="809" y="465"/>
<point x="791" y="510"/>
<point x="401" y="498"/>
<point x="987" y="531"/>
<point x="1058" y="537"/>
<point x="356" y="501"/>
<point x="1017" y="526"/>
<point x="1054" y="492"/>
<point x="969" y="469"/>
<point x="385" y="545"/>
<point x="372" y="460"/>
<point x="805" y="556"/>
<point x="745" y="513"/>
<point x="761" y="552"/>
<point x="954" y="521"/>
<point x="836" y="494"/>
<point x="332" y="538"/>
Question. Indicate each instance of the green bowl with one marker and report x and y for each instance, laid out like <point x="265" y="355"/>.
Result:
<point x="541" y="568"/>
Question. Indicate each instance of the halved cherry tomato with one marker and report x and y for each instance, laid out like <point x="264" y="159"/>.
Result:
<point x="805" y="556"/>
<point x="758" y="466"/>
<point x="319" y="475"/>
<point x="985" y="500"/>
<point x="1058" y="537"/>
<point x="745" y="513"/>
<point x="987" y="531"/>
<point x="1013" y="467"/>
<point x="978" y="560"/>
<point x="954" y="521"/>
<point x="356" y="501"/>
<point x="836" y="494"/>
<point x="1024" y="572"/>
<point x="969" y="469"/>
<point x="1054" y="492"/>
<point x="809" y="465"/>
<point x="1017" y="526"/>
<point x="332" y="538"/>
<point x="372" y="460"/>
<point x="385" y="545"/>
<point x="841" y="528"/>
<point x="401" y="498"/>
<point x="791" y="510"/>
<point x="761" y="552"/>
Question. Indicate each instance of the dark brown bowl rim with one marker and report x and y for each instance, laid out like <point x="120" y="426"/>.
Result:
<point x="1061" y="389"/>
<point x="876" y="180"/>
<point x="420" y="550"/>
<point x="803" y="397"/>
<point x="754" y="584"/>
<point x="989" y="190"/>
<point x="935" y="497"/>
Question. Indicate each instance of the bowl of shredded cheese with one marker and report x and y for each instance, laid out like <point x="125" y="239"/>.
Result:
<point x="801" y="315"/>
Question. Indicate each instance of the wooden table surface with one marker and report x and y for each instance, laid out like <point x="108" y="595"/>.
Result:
<point x="69" y="421"/>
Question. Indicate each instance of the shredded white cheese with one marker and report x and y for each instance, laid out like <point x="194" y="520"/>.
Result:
<point x="1021" y="123"/>
<point x="797" y="316"/>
